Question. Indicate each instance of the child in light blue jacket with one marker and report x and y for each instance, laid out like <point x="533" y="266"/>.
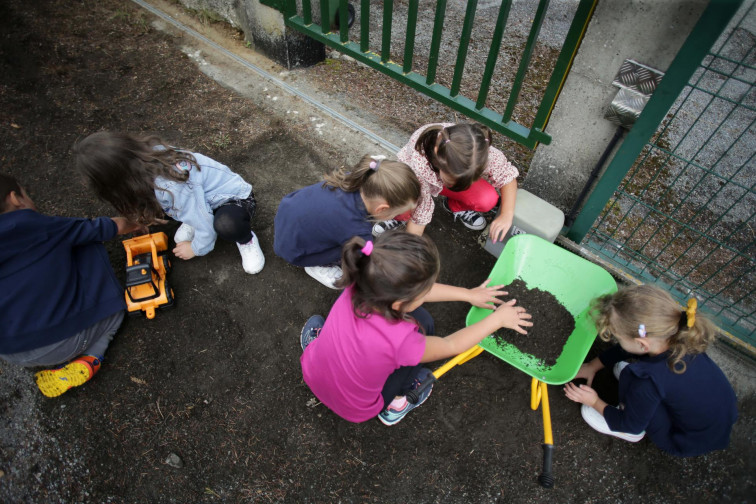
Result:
<point x="145" y="180"/>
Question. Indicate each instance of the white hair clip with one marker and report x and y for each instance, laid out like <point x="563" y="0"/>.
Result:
<point x="642" y="331"/>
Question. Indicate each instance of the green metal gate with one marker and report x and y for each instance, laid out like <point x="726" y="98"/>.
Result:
<point x="475" y="108"/>
<point x="677" y="204"/>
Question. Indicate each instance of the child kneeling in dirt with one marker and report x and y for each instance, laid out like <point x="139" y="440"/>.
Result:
<point x="313" y="223"/>
<point x="61" y="299"/>
<point x="364" y="359"/>
<point x="144" y="180"/>
<point x="672" y="391"/>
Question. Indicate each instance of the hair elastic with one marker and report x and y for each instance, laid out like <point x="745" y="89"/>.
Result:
<point x="375" y="164"/>
<point x="447" y="141"/>
<point x="690" y="312"/>
<point x="642" y="330"/>
<point x="368" y="248"/>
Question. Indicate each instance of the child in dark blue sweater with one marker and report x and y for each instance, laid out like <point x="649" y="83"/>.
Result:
<point x="61" y="301"/>
<point x="313" y="223"/>
<point x="671" y="392"/>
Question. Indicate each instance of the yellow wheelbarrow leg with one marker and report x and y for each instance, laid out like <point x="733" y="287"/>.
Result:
<point x="414" y="395"/>
<point x="539" y="393"/>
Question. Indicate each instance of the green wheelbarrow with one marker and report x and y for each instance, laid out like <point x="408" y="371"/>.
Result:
<point x="574" y="281"/>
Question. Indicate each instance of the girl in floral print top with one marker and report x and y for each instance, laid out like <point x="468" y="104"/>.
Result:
<point x="458" y="162"/>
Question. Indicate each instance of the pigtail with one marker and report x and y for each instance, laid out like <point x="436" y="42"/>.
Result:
<point x="690" y="340"/>
<point x="351" y="256"/>
<point x="349" y="179"/>
<point x="601" y="310"/>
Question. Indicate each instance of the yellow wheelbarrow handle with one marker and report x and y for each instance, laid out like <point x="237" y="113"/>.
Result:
<point x="414" y="395"/>
<point x="539" y="394"/>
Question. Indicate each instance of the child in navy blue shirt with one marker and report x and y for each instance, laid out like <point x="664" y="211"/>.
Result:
<point x="672" y="392"/>
<point x="313" y="223"/>
<point x="61" y="301"/>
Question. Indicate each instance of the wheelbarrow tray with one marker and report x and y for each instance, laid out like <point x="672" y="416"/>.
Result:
<point x="574" y="281"/>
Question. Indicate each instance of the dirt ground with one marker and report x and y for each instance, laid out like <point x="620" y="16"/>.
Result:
<point x="206" y="403"/>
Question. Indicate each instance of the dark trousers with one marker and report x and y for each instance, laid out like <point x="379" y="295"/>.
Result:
<point x="402" y="380"/>
<point x="232" y="220"/>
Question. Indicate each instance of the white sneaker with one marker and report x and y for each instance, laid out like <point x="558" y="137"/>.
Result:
<point x="327" y="275"/>
<point x="617" y="369"/>
<point x="253" y="259"/>
<point x="597" y="422"/>
<point x="185" y="232"/>
<point x="381" y="227"/>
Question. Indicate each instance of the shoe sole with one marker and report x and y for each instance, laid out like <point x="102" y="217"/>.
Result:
<point x="56" y="382"/>
<point x="389" y="424"/>
<point x="321" y="282"/>
<point x="632" y="438"/>
<point x="302" y="332"/>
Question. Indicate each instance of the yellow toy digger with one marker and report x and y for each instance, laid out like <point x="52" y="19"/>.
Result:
<point x="147" y="267"/>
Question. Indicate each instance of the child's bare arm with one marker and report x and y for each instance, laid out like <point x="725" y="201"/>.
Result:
<point x="507" y="315"/>
<point x="584" y="394"/>
<point x="481" y="296"/>
<point x="501" y="224"/>
<point x="415" y="228"/>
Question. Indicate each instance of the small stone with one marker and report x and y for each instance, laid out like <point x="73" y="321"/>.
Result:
<point x="174" y="460"/>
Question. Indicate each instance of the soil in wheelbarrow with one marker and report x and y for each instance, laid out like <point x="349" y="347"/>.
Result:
<point x="552" y="324"/>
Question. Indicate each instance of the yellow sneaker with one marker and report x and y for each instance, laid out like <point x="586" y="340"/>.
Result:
<point x="55" y="382"/>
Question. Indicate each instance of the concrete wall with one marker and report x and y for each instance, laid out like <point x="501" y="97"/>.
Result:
<point x="264" y="27"/>
<point x="648" y="31"/>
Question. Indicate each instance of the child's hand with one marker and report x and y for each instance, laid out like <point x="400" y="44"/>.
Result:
<point x="513" y="317"/>
<point x="582" y="394"/>
<point x="485" y="297"/>
<point x="184" y="250"/>
<point x="588" y="371"/>
<point x="499" y="227"/>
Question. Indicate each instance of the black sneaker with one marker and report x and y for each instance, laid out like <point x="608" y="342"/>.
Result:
<point x="470" y="218"/>
<point x="381" y="227"/>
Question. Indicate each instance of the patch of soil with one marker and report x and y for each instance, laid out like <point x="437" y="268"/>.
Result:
<point x="552" y="325"/>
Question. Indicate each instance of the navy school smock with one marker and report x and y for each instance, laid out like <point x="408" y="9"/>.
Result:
<point x="685" y="414"/>
<point x="55" y="277"/>
<point x="313" y="223"/>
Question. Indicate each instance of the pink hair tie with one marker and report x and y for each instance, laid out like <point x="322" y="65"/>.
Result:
<point x="368" y="248"/>
<point x="447" y="141"/>
<point x="375" y="164"/>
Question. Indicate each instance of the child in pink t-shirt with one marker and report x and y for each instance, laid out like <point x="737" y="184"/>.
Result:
<point x="457" y="162"/>
<point x="364" y="359"/>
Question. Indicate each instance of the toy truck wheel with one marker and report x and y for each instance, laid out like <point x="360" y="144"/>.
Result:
<point x="166" y="263"/>
<point x="169" y="299"/>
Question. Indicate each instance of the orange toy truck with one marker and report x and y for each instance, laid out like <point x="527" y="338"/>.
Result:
<point x="147" y="267"/>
